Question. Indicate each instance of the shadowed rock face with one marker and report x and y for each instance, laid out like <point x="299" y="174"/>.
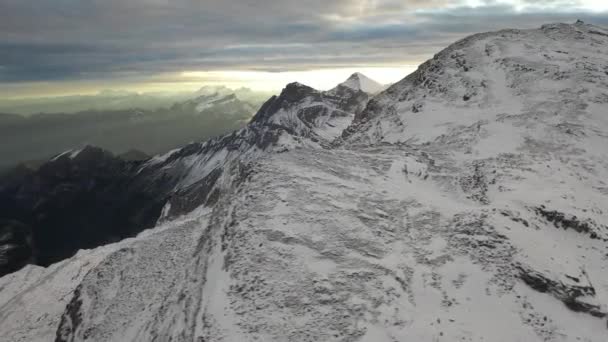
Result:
<point x="17" y="246"/>
<point x="570" y="295"/>
<point x="85" y="199"/>
<point x="74" y="202"/>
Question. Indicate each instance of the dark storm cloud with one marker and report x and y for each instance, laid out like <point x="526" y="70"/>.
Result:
<point x="76" y="39"/>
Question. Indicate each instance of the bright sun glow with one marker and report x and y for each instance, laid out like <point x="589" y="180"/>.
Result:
<point x="319" y="79"/>
<point x="595" y="5"/>
<point x="520" y="5"/>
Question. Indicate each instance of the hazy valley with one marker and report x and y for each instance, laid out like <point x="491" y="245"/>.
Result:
<point x="120" y="126"/>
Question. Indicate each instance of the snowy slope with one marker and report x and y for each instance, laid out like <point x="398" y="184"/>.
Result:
<point x="465" y="203"/>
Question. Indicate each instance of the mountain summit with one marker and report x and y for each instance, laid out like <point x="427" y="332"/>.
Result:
<point x="466" y="202"/>
<point x="358" y="81"/>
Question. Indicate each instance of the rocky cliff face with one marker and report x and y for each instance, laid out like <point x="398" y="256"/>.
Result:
<point x="466" y="202"/>
<point x="80" y="199"/>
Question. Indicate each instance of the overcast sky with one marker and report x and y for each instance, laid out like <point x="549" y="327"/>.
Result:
<point x="72" y="46"/>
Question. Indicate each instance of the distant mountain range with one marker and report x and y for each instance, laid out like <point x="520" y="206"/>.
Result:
<point x="113" y="100"/>
<point x="209" y="112"/>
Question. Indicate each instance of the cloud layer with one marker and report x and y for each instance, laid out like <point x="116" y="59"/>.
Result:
<point x="109" y="39"/>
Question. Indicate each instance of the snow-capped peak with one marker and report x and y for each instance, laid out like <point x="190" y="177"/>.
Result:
<point x="211" y="90"/>
<point x="208" y="101"/>
<point x="358" y="81"/>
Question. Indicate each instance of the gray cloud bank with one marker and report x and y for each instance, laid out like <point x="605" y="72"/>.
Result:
<point x="101" y="39"/>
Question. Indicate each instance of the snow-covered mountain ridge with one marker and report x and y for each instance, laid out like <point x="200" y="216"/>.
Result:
<point x="466" y="202"/>
<point x="489" y="74"/>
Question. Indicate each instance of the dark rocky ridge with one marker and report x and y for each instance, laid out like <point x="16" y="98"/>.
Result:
<point x="18" y="247"/>
<point x="77" y="202"/>
<point x="84" y="201"/>
<point x="570" y="295"/>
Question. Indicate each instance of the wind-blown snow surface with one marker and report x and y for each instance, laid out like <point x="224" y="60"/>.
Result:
<point x="466" y="203"/>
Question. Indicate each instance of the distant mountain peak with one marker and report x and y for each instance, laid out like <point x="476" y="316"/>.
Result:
<point x="210" y="90"/>
<point x="115" y="93"/>
<point x="358" y="81"/>
<point x="357" y="75"/>
<point x="296" y="85"/>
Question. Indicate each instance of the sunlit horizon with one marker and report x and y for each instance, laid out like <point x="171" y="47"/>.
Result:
<point x="322" y="79"/>
<point x="190" y="81"/>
